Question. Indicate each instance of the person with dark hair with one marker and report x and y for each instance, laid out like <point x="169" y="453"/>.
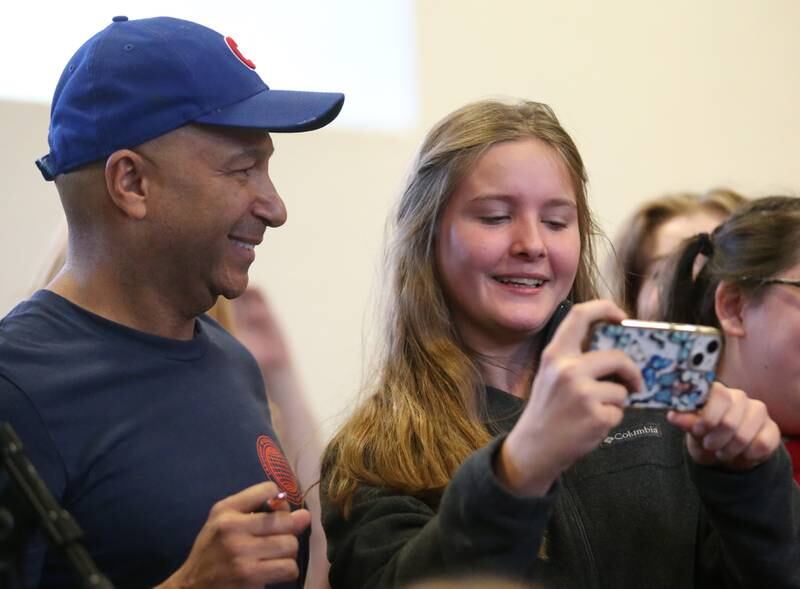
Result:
<point x="744" y="278"/>
<point x="146" y="419"/>
<point x="652" y="233"/>
<point x="493" y="443"/>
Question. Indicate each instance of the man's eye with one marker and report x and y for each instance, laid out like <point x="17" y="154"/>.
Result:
<point x="243" y="171"/>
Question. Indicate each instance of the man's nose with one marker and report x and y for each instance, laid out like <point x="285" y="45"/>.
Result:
<point x="268" y="205"/>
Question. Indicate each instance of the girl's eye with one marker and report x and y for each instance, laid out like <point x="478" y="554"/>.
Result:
<point x="493" y="219"/>
<point x="555" y="224"/>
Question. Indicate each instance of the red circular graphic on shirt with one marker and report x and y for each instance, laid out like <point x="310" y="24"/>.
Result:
<point x="239" y="55"/>
<point x="277" y="468"/>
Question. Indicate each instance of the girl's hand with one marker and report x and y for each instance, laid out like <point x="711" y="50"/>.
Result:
<point x="732" y="430"/>
<point x="573" y="404"/>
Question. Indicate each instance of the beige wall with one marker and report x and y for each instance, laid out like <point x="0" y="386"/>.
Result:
<point x="658" y="95"/>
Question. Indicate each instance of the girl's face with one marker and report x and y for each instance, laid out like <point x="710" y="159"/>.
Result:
<point x="770" y="348"/>
<point x="668" y="236"/>
<point x="508" y="245"/>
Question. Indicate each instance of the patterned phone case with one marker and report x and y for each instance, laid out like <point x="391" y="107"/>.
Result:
<point x="678" y="362"/>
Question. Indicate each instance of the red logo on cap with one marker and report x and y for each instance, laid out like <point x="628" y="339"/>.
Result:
<point x="235" y="49"/>
<point x="277" y="468"/>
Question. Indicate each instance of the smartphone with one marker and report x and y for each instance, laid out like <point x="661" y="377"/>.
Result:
<point x="678" y="361"/>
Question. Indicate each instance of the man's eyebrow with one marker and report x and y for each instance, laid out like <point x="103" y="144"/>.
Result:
<point x="255" y="153"/>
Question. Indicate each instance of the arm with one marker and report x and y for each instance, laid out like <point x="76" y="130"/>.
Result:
<point x="755" y="518"/>
<point x="492" y="515"/>
<point x="235" y="548"/>
<point x="389" y="540"/>
<point x="744" y="478"/>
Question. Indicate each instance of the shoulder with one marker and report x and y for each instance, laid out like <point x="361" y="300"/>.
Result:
<point x="43" y="336"/>
<point x="28" y="333"/>
<point x="44" y="321"/>
<point x="28" y="317"/>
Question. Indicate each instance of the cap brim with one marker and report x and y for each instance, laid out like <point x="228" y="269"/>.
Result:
<point x="284" y="111"/>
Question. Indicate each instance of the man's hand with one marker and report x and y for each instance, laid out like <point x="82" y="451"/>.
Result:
<point x="731" y="430"/>
<point x="240" y="547"/>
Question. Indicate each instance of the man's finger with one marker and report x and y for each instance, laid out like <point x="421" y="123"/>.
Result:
<point x="250" y="499"/>
<point x="279" y="522"/>
<point x="266" y="524"/>
<point x="301" y="519"/>
<point x="277" y="571"/>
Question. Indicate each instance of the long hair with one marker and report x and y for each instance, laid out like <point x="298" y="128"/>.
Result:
<point x="634" y="245"/>
<point x="758" y="242"/>
<point x="423" y="415"/>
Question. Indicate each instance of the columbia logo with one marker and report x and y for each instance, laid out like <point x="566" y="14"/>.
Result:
<point x="649" y="430"/>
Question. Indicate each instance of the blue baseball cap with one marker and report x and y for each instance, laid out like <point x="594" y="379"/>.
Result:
<point x="138" y="79"/>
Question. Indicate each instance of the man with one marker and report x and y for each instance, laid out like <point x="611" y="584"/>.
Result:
<point x="147" y="421"/>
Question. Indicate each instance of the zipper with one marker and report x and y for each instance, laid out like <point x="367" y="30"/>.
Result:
<point x="592" y="579"/>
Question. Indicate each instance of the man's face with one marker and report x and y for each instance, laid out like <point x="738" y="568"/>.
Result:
<point x="213" y="199"/>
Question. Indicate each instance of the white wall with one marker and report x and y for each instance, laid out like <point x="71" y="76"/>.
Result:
<point x="659" y="96"/>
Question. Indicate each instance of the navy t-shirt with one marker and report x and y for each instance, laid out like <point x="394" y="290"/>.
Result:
<point x="136" y="435"/>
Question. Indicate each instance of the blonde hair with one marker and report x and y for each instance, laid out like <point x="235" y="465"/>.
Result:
<point x="634" y="245"/>
<point x="423" y="417"/>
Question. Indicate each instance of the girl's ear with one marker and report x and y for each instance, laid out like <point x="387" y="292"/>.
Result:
<point x="729" y="302"/>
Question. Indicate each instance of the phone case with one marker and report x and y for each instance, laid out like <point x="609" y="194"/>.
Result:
<point x="678" y="362"/>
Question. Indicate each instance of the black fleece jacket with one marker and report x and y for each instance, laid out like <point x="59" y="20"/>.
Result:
<point x="636" y="512"/>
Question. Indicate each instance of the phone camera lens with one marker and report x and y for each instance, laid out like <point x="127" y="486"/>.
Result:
<point x="712" y="346"/>
<point x="697" y="359"/>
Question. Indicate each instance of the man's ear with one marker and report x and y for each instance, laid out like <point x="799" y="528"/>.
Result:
<point x="729" y="303"/>
<point x="127" y="182"/>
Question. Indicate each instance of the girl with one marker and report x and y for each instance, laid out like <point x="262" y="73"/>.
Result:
<point x="654" y="231"/>
<point x="486" y="449"/>
<point x="749" y="286"/>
